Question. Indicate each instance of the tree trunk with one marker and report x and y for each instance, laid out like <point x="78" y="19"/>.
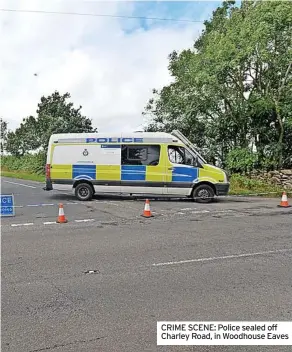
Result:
<point x="281" y="135"/>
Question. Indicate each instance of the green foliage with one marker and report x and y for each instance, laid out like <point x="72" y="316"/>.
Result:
<point x="241" y="160"/>
<point x="24" y="139"/>
<point x="31" y="163"/>
<point x="234" y="89"/>
<point x="54" y="115"/>
<point x="240" y="184"/>
<point x="3" y="135"/>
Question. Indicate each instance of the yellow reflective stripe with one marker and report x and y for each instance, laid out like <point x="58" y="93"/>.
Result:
<point x="61" y="171"/>
<point x="210" y="175"/>
<point x="108" y="172"/>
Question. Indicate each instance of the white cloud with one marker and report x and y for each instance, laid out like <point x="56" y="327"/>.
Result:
<point x="107" y="70"/>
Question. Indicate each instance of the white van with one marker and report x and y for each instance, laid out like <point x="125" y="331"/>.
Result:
<point x="133" y="163"/>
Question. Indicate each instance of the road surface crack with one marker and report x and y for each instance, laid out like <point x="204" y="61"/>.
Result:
<point x="72" y="301"/>
<point x="66" y="344"/>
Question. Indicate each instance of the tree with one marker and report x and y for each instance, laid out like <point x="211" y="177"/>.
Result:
<point x="3" y="136"/>
<point x="24" y="139"/>
<point x="57" y="115"/>
<point x="233" y="89"/>
<point x="54" y="115"/>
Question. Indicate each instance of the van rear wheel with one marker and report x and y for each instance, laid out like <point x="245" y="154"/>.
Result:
<point x="203" y="194"/>
<point x="84" y="191"/>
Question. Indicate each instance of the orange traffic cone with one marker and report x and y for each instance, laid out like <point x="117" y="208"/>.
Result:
<point x="147" y="211"/>
<point x="284" y="201"/>
<point x="61" y="218"/>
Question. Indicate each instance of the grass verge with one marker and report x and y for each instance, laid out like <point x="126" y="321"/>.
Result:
<point x="242" y="185"/>
<point x="23" y="175"/>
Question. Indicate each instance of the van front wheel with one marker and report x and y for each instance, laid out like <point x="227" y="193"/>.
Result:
<point x="84" y="191"/>
<point x="203" y="194"/>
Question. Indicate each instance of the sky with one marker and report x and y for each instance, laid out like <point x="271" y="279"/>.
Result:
<point x="109" y="65"/>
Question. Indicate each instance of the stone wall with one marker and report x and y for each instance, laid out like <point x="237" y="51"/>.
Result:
<point x="281" y="178"/>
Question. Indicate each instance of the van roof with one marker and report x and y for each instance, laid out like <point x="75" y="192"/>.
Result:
<point x="147" y="136"/>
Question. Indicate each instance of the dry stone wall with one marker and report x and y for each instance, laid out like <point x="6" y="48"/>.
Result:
<point x="281" y="178"/>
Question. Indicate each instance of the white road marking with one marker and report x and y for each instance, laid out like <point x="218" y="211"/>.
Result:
<point x="26" y="224"/>
<point x="223" y="211"/>
<point x="41" y="205"/>
<point x="200" y="211"/>
<point x="107" y="202"/>
<point x="244" y="255"/>
<point x="84" y="220"/>
<point x="204" y="211"/>
<point x="20" y="184"/>
<point x="49" y="222"/>
<point x="111" y="202"/>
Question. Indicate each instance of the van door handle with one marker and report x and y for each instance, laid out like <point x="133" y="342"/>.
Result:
<point x="170" y="168"/>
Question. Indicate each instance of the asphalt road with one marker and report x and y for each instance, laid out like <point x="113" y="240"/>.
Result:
<point x="230" y="260"/>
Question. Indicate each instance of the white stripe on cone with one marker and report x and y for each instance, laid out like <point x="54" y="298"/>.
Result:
<point x="284" y="198"/>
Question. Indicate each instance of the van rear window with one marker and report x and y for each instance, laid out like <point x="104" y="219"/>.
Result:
<point x="140" y="155"/>
<point x="137" y="153"/>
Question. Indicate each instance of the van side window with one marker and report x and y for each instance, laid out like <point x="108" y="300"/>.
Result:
<point x="140" y="154"/>
<point x="180" y="155"/>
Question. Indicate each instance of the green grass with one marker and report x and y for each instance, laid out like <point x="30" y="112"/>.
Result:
<point x="242" y="185"/>
<point x="28" y="164"/>
<point x="239" y="185"/>
<point x="23" y="175"/>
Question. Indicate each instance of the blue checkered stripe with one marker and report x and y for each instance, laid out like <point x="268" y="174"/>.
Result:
<point x="84" y="172"/>
<point x="184" y="174"/>
<point x="133" y="173"/>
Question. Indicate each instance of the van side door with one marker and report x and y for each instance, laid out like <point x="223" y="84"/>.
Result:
<point x="184" y="170"/>
<point x="142" y="169"/>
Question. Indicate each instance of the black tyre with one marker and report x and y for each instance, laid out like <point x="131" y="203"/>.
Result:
<point x="84" y="191"/>
<point x="203" y="194"/>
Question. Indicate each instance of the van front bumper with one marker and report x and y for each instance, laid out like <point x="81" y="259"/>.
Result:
<point x="222" y="189"/>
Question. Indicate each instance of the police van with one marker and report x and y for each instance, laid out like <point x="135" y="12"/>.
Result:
<point x="138" y="163"/>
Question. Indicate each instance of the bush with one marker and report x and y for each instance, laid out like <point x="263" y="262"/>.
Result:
<point x="31" y="163"/>
<point x="241" y="160"/>
<point x="242" y="184"/>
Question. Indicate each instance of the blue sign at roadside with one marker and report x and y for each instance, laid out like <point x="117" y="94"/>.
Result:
<point x="7" y="205"/>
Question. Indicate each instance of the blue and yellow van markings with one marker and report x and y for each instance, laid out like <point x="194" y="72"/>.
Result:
<point x="184" y="174"/>
<point x="88" y="171"/>
<point x="161" y="175"/>
<point x="133" y="173"/>
<point x="108" y="172"/>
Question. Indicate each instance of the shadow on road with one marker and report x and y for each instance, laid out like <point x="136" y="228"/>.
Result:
<point x="115" y="197"/>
